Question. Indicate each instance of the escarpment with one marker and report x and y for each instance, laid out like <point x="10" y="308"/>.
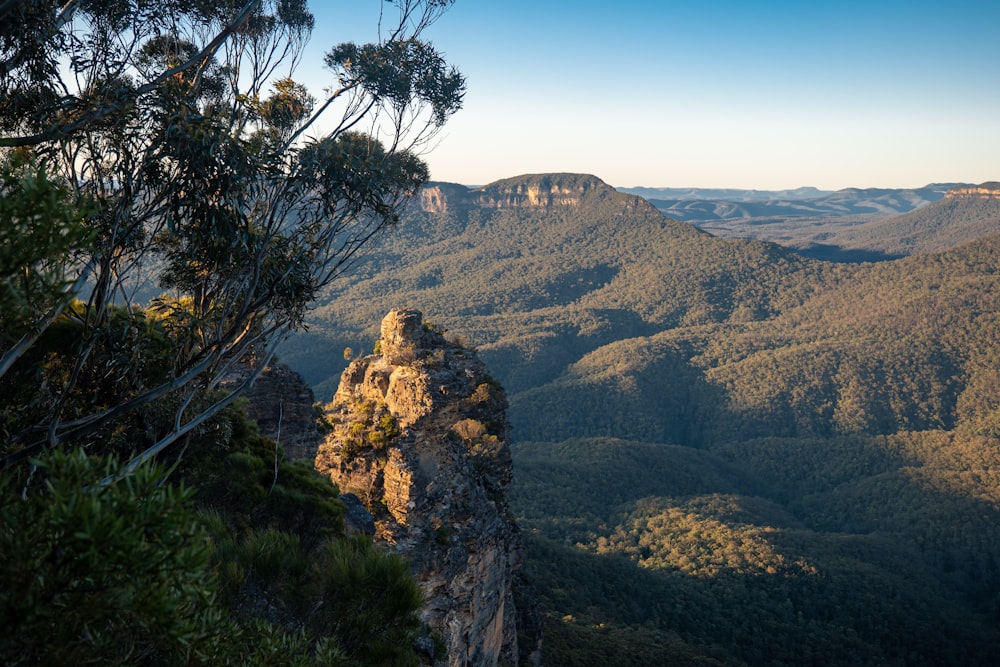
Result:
<point x="418" y="433"/>
<point x="281" y="403"/>
<point x="989" y="190"/>
<point x="529" y="191"/>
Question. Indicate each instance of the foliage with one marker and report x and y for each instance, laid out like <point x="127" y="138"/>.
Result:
<point x="103" y="573"/>
<point x="186" y="146"/>
<point x="156" y="142"/>
<point x="128" y="353"/>
<point x="40" y="228"/>
<point x="370" y="600"/>
<point x="367" y="424"/>
<point x="763" y="451"/>
<point x="229" y="561"/>
<point x="821" y="545"/>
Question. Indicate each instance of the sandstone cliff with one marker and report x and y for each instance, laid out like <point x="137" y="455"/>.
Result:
<point x="281" y="403"/>
<point x="419" y="434"/>
<point x="990" y="190"/>
<point x="531" y="191"/>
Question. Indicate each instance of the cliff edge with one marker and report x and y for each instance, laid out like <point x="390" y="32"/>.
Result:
<point x="520" y="192"/>
<point x="989" y="190"/>
<point x="419" y="433"/>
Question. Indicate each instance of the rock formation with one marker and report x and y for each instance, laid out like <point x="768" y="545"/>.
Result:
<point x="444" y="197"/>
<point x="281" y="403"/>
<point x="990" y="190"/>
<point x="419" y="435"/>
<point x="532" y="191"/>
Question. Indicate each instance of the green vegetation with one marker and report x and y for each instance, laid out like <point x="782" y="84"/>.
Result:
<point x="726" y="453"/>
<point x="171" y="161"/>
<point x="144" y="520"/>
<point x="235" y="557"/>
<point x="938" y="226"/>
<point x="730" y="454"/>
<point x="38" y="227"/>
<point x="764" y="555"/>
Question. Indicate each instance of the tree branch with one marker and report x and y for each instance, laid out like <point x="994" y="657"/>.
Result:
<point x="204" y="416"/>
<point x="103" y="111"/>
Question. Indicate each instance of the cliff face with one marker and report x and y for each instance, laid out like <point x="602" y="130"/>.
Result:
<point x="990" y="190"/>
<point x="419" y="434"/>
<point x="281" y="403"/>
<point x="539" y="191"/>
<point x="532" y="191"/>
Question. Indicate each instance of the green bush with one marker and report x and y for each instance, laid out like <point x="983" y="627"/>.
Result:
<point x="103" y="573"/>
<point x="370" y="600"/>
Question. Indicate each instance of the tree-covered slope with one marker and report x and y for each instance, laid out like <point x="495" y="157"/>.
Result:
<point x="906" y="345"/>
<point x="770" y="552"/>
<point x="725" y="453"/>
<point x="942" y="224"/>
<point x="535" y="286"/>
<point x="851" y="225"/>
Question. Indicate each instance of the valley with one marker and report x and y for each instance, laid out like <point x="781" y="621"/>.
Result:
<point x="725" y="451"/>
<point x="851" y="225"/>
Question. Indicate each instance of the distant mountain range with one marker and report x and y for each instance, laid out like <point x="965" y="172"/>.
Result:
<point x="726" y="452"/>
<point x="842" y="202"/>
<point x="854" y="224"/>
<point x="879" y="199"/>
<point x="726" y="194"/>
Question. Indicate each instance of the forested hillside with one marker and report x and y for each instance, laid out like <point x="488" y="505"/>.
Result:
<point x="850" y="225"/>
<point x="143" y="518"/>
<point x="548" y="284"/>
<point x="726" y="453"/>
<point x="938" y="226"/>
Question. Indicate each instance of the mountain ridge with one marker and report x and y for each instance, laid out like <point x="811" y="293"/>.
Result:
<point x="527" y="190"/>
<point x="843" y="420"/>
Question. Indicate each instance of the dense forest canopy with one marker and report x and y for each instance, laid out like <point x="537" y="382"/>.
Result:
<point x="174" y="143"/>
<point x="727" y="453"/>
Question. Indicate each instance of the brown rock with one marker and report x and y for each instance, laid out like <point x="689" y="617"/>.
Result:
<point x="420" y="436"/>
<point x="282" y="404"/>
<point x="989" y="190"/>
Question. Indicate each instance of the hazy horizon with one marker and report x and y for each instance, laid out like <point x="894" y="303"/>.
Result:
<point x="688" y="186"/>
<point x="758" y="95"/>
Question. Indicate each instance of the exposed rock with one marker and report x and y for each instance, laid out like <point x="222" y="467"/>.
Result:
<point x="542" y="190"/>
<point x="357" y="519"/>
<point x="990" y="190"/>
<point x="281" y="403"/>
<point x="531" y="191"/>
<point x="444" y="197"/>
<point x="419" y="434"/>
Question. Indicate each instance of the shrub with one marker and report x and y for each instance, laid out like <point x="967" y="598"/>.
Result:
<point x="370" y="600"/>
<point x="105" y="573"/>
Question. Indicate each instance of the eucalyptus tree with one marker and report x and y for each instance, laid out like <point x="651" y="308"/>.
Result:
<point x="184" y="148"/>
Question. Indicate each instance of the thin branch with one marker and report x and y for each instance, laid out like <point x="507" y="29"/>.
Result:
<point x="102" y="112"/>
<point x="277" y="441"/>
<point x="27" y="340"/>
<point x="64" y="16"/>
<point x="204" y="416"/>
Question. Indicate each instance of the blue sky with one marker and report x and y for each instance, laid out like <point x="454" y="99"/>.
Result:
<point x="714" y="94"/>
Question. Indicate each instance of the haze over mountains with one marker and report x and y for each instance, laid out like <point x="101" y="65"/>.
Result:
<point x="726" y="452"/>
<point x="854" y="224"/>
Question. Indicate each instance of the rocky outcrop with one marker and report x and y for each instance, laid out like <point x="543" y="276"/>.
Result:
<point x="990" y="190"/>
<point x="531" y="191"/>
<point x="281" y="403"/>
<point x="419" y="434"/>
<point x="445" y="197"/>
<point x="542" y="190"/>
